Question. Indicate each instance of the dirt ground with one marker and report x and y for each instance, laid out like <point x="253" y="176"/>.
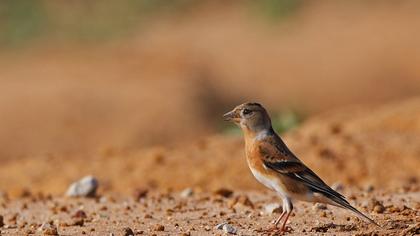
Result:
<point x="143" y="115"/>
<point x="371" y="151"/>
<point x="363" y="146"/>
<point x="175" y="213"/>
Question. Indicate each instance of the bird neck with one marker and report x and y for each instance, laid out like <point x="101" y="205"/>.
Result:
<point x="251" y="137"/>
<point x="264" y="133"/>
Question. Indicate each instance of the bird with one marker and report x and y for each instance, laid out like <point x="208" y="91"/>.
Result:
<point x="276" y="167"/>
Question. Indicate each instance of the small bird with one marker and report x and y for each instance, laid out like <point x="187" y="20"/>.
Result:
<point x="275" y="166"/>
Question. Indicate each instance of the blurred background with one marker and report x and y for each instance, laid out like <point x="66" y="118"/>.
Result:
<point x="83" y="79"/>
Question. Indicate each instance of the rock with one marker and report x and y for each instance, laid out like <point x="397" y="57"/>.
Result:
<point x="224" y="192"/>
<point x="127" y="232"/>
<point x="272" y="208"/>
<point x="79" y="214"/>
<point x="227" y="228"/>
<point x="379" y="209"/>
<point x="1" y="221"/>
<point x="86" y="187"/>
<point x="188" y="192"/>
<point x="48" y="228"/>
<point x="376" y="206"/>
<point x="140" y="193"/>
<point x="319" y="206"/>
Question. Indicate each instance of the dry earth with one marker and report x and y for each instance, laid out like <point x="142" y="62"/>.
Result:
<point x="174" y="213"/>
<point x="372" y="151"/>
<point x="362" y="145"/>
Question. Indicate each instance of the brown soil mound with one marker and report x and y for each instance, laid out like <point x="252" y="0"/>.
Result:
<point x="357" y="146"/>
<point x="177" y="73"/>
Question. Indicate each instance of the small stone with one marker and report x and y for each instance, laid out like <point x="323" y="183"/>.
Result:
<point x="273" y="208"/>
<point x="48" y="229"/>
<point x="188" y="192"/>
<point x="320" y="206"/>
<point x="86" y="187"/>
<point x="224" y="192"/>
<point x="140" y="193"/>
<point x="159" y="227"/>
<point x="227" y="228"/>
<point x="379" y="209"/>
<point x="79" y="214"/>
<point x="376" y="206"/>
<point x="127" y="232"/>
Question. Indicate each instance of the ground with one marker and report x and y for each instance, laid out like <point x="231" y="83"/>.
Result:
<point x="369" y="153"/>
<point x="176" y="213"/>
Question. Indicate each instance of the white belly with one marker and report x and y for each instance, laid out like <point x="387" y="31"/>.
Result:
<point x="269" y="183"/>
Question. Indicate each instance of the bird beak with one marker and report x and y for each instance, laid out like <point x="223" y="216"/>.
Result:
<point x="230" y="116"/>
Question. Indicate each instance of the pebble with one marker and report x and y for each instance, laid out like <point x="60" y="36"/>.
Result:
<point x="224" y="192"/>
<point x="48" y="229"/>
<point x="319" y="206"/>
<point x="379" y="209"/>
<point x="127" y="232"/>
<point x="140" y="193"/>
<point x="79" y="214"/>
<point x="227" y="228"/>
<point x="273" y="208"/>
<point x="375" y="206"/>
<point x="86" y="187"/>
<point x="188" y="192"/>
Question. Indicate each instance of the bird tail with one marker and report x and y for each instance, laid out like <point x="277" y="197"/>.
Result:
<point x="343" y="203"/>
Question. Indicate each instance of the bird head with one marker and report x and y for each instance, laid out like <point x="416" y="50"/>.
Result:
<point x="251" y="117"/>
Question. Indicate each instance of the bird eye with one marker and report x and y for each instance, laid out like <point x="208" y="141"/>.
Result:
<point x="246" y="111"/>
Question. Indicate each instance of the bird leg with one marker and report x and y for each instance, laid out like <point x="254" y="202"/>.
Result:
<point x="283" y="226"/>
<point x="277" y="221"/>
<point x="288" y="208"/>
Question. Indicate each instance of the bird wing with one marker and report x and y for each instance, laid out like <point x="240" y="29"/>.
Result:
<point x="276" y="156"/>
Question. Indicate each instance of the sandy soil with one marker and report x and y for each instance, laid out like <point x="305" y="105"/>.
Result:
<point x="362" y="145"/>
<point x="372" y="152"/>
<point x="175" y="213"/>
<point x="172" y="78"/>
<point x="143" y="115"/>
